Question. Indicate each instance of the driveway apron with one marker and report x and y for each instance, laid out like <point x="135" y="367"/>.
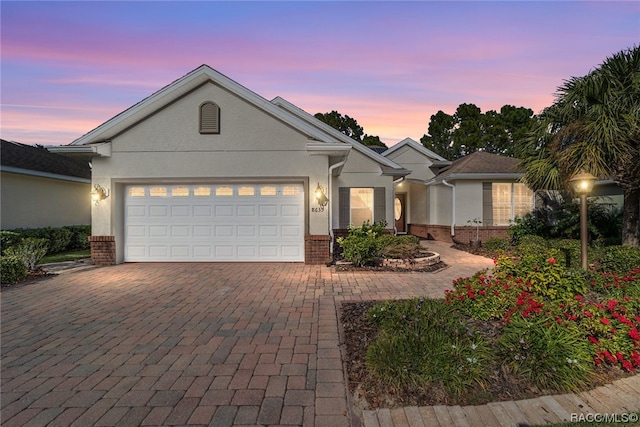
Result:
<point x="190" y="344"/>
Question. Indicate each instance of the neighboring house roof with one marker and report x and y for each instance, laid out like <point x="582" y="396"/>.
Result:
<point x="38" y="161"/>
<point x="481" y="165"/>
<point x="377" y="148"/>
<point x="416" y="146"/>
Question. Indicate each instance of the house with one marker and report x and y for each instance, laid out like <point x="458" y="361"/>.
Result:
<point x="206" y="170"/>
<point x="448" y="200"/>
<point x="42" y="189"/>
<point x="411" y="200"/>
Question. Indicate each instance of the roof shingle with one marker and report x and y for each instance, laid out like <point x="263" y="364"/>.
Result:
<point x="36" y="158"/>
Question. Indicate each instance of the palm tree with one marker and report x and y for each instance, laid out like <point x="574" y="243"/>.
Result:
<point x="594" y="126"/>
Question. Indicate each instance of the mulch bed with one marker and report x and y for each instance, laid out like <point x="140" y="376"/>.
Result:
<point x="500" y="385"/>
<point x="428" y="269"/>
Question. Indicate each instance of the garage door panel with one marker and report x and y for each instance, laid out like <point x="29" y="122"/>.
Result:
<point x="291" y="210"/>
<point x="180" y="230"/>
<point x="224" y="210"/>
<point x="268" y="210"/>
<point x="244" y="210"/>
<point x="201" y="231"/>
<point x="158" y="211"/>
<point x="201" y="211"/>
<point x="180" y="211"/>
<point x="262" y="222"/>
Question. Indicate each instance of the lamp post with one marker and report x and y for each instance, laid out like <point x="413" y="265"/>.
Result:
<point x="582" y="184"/>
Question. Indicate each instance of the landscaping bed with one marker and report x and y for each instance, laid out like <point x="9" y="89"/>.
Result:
<point x="369" y="393"/>
<point x="533" y="326"/>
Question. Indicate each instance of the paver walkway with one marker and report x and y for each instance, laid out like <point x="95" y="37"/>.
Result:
<point x="193" y="344"/>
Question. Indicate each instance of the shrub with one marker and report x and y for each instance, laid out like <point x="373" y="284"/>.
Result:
<point x="361" y="244"/>
<point x="619" y="259"/>
<point x="79" y="237"/>
<point x="496" y="244"/>
<point x="60" y="239"/>
<point x="571" y="250"/>
<point x="9" y="239"/>
<point x="12" y="270"/>
<point x="30" y="251"/>
<point x="525" y="226"/>
<point x="550" y="355"/>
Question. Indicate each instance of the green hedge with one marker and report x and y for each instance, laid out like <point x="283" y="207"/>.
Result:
<point x="12" y="270"/>
<point x="59" y="239"/>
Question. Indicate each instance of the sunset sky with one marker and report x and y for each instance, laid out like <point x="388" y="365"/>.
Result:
<point x="67" y="67"/>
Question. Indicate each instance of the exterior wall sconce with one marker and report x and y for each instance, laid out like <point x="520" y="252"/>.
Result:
<point x="582" y="184"/>
<point x="321" y="196"/>
<point x="99" y="194"/>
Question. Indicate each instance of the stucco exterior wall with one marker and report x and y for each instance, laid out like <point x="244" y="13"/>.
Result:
<point x="468" y="201"/>
<point x="167" y="147"/>
<point x="439" y="205"/>
<point x="416" y="162"/>
<point x="33" y="202"/>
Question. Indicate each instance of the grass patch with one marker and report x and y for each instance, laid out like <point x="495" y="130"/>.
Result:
<point x="66" y="256"/>
<point x="425" y="343"/>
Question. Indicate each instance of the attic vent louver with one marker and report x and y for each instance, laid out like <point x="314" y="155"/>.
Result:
<point x="209" y="118"/>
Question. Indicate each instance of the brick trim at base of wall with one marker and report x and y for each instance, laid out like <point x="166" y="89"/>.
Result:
<point x="103" y="250"/>
<point x="463" y="233"/>
<point x="316" y="249"/>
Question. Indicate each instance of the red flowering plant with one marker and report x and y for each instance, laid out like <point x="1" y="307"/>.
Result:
<point x="611" y="325"/>
<point x="604" y="307"/>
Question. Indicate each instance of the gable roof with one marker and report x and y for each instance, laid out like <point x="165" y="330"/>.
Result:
<point x="481" y="165"/>
<point x="416" y="146"/>
<point x="37" y="160"/>
<point x="388" y="166"/>
<point x="180" y="88"/>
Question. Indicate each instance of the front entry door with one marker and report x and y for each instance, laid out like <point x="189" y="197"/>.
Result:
<point x="399" y="205"/>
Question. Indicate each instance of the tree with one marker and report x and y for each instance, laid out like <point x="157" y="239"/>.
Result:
<point x="469" y="130"/>
<point x="594" y="125"/>
<point x="350" y="127"/>
<point x="344" y="124"/>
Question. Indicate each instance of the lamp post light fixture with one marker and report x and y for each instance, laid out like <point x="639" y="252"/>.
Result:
<point x="582" y="184"/>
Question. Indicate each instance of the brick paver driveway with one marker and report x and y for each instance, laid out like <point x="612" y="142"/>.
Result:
<point x="186" y="344"/>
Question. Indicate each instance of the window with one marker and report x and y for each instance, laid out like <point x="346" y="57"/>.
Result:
<point x="180" y="191"/>
<point x="267" y="191"/>
<point x="361" y="203"/>
<point x="246" y="191"/>
<point x="158" y="192"/>
<point x="290" y="191"/>
<point x="202" y="191"/>
<point x="136" y="192"/>
<point x="209" y="118"/>
<point x="224" y="191"/>
<point x="509" y="200"/>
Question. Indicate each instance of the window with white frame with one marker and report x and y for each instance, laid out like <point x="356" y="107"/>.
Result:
<point x="510" y="200"/>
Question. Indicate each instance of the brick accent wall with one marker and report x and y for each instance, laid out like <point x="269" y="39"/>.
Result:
<point x="463" y="233"/>
<point x="103" y="250"/>
<point x="316" y="249"/>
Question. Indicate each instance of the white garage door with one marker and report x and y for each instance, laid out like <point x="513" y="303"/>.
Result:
<point x="247" y="222"/>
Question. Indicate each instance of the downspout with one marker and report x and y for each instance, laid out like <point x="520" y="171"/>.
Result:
<point x="453" y="207"/>
<point x="331" y="168"/>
